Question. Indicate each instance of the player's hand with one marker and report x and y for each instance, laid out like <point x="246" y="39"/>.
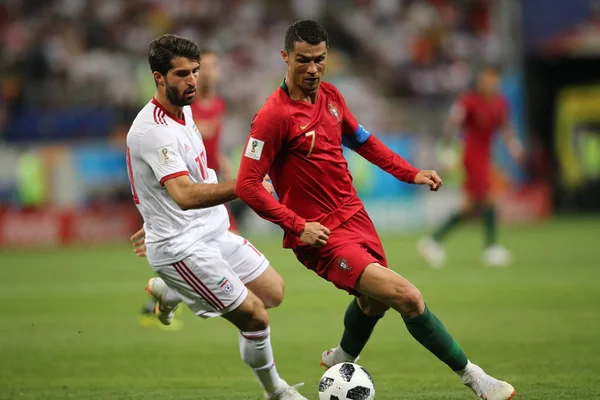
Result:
<point x="139" y="243"/>
<point x="517" y="152"/>
<point x="268" y="185"/>
<point x="430" y="178"/>
<point x="315" y="234"/>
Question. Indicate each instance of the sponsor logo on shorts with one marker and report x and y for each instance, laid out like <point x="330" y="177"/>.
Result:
<point x="343" y="264"/>
<point x="226" y="286"/>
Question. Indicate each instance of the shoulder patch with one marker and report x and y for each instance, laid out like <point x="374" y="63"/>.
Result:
<point x="166" y="154"/>
<point x="254" y="148"/>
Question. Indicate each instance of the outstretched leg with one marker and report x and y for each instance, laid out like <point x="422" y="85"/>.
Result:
<point x="391" y="289"/>
<point x="360" y="319"/>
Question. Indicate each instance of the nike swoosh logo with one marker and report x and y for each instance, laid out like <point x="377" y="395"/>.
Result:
<point x="303" y="127"/>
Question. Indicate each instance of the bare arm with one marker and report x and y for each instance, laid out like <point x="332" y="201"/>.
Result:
<point x="454" y="122"/>
<point x="513" y="144"/>
<point x="190" y="195"/>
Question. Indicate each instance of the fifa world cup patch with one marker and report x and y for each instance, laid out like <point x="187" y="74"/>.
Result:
<point x="343" y="264"/>
<point x="254" y="148"/>
<point x="226" y="286"/>
<point x="166" y="154"/>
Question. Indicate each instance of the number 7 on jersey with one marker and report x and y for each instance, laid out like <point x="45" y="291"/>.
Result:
<point x="311" y="135"/>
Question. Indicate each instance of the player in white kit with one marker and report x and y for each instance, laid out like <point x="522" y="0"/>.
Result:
<point x="197" y="260"/>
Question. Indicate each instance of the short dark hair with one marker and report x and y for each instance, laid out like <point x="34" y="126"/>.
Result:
<point x="165" y="48"/>
<point x="306" y="31"/>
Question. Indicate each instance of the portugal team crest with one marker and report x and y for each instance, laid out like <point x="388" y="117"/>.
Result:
<point x="333" y="110"/>
<point x="343" y="264"/>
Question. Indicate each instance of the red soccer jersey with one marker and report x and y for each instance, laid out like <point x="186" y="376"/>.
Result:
<point x="483" y="117"/>
<point x="209" y="120"/>
<point x="299" y="144"/>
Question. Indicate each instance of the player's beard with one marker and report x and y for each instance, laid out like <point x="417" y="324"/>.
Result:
<point x="175" y="98"/>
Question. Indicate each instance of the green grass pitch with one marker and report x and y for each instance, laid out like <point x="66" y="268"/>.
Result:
<point x="69" y="327"/>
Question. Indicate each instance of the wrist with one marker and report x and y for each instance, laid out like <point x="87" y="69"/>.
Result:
<point x="298" y="227"/>
<point x="413" y="176"/>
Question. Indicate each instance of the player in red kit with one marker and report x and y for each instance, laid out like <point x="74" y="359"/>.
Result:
<point x="209" y="111"/>
<point x="297" y="139"/>
<point x="209" y="114"/>
<point x="480" y="113"/>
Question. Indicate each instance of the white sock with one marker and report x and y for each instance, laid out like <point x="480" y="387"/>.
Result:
<point x="465" y="370"/>
<point x="339" y="355"/>
<point x="257" y="353"/>
<point x="170" y="298"/>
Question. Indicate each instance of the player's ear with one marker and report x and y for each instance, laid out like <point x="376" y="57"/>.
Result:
<point x="285" y="56"/>
<point x="158" y="78"/>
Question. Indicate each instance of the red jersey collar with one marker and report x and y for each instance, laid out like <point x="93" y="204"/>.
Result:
<point x="173" y="117"/>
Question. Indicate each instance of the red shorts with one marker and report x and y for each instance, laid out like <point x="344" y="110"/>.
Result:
<point x="478" y="180"/>
<point x="350" y="248"/>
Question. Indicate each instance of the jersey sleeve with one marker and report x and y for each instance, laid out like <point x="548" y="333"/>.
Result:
<point x="349" y="123"/>
<point x="267" y="136"/>
<point x="357" y="138"/>
<point x="160" y="150"/>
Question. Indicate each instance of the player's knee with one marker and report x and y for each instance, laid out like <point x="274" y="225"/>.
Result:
<point x="408" y="300"/>
<point x="259" y="318"/>
<point x="275" y="296"/>
<point x="412" y="303"/>
<point x="253" y="315"/>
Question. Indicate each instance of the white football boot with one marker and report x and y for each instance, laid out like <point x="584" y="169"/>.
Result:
<point x="286" y="392"/>
<point x="432" y="252"/>
<point x="157" y="288"/>
<point x="330" y="357"/>
<point x="485" y="386"/>
<point x="497" y="256"/>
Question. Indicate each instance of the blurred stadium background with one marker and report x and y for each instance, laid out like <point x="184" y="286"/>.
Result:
<point x="74" y="75"/>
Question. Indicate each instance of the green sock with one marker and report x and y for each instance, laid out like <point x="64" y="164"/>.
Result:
<point x="450" y="223"/>
<point x="430" y="332"/>
<point x="357" y="329"/>
<point x="489" y="222"/>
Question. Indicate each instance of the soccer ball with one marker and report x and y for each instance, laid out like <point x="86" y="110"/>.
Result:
<point x="346" y="381"/>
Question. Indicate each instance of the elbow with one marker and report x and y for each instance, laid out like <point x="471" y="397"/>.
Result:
<point x="240" y="189"/>
<point x="183" y="205"/>
<point x="182" y="200"/>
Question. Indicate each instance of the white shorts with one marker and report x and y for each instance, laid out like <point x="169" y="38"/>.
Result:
<point x="212" y="281"/>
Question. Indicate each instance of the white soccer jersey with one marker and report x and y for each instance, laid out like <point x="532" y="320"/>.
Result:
<point x="160" y="147"/>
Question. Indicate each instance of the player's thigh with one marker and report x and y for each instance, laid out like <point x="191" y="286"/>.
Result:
<point x="477" y="185"/>
<point x="253" y="268"/>
<point x="205" y="282"/>
<point x="390" y="288"/>
<point x="339" y="263"/>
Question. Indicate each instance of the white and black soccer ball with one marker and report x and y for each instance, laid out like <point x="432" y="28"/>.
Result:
<point x="346" y="381"/>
